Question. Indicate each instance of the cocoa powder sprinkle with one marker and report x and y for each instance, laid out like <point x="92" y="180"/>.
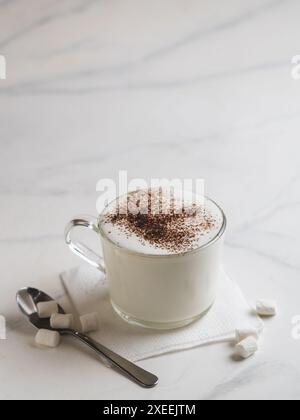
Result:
<point x="173" y="230"/>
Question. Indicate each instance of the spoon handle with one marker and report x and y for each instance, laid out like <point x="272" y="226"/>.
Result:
<point x="134" y="372"/>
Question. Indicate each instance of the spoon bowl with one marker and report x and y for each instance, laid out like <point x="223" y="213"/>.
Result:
<point x="27" y="300"/>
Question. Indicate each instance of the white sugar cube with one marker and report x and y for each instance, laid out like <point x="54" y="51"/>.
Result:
<point x="89" y="322"/>
<point x="242" y="333"/>
<point x="266" y="307"/>
<point x="47" y="338"/>
<point x="246" y="348"/>
<point x="61" y="321"/>
<point x="46" y="309"/>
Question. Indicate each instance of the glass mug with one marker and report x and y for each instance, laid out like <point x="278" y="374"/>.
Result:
<point x="155" y="291"/>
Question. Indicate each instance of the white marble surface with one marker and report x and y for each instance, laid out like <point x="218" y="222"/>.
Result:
<point x="188" y="88"/>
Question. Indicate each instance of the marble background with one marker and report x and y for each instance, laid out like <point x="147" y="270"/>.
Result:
<point x="173" y="88"/>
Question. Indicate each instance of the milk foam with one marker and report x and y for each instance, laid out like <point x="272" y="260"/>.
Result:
<point x="132" y="241"/>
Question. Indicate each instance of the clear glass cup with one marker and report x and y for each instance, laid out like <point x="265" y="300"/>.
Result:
<point x="155" y="291"/>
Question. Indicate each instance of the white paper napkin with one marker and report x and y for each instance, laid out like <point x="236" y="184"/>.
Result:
<point x="87" y="291"/>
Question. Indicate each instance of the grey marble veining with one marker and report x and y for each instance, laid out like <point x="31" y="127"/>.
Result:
<point x="163" y="89"/>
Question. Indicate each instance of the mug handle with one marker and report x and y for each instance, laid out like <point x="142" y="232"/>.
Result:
<point x="79" y="248"/>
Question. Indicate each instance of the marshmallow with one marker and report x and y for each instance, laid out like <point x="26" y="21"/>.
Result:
<point x="246" y="348"/>
<point x="266" y="307"/>
<point x="89" y="322"/>
<point x="242" y="333"/>
<point x="47" y="338"/>
<point x="61" y="321"/>
<point x="46" y="309"/>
